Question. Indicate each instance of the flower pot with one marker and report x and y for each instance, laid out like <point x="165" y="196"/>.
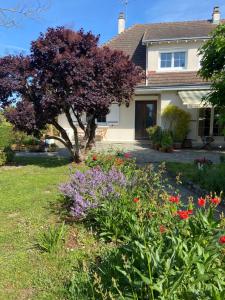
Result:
<point x="177" y="145"/>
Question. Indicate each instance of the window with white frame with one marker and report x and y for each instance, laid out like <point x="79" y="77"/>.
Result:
<point x="209" y="123"/>
<point x="175" y="60"/>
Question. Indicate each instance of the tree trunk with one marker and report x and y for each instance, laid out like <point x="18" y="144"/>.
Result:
<point x="90" y="133"/>
<point x="76" y="147"/>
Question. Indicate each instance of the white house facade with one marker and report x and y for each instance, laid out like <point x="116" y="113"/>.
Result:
<point x="168" y="53"/>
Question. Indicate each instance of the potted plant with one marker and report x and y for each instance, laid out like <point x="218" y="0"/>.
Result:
<point x="177" y="121"/>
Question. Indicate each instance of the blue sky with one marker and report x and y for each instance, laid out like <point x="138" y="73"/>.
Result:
<point x="100" y="16"/>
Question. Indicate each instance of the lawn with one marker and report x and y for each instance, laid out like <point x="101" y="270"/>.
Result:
<point x="29" y="198"/>
<point x="209" y="178"/>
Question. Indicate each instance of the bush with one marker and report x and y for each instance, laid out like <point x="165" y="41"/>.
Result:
<point x="3" y="158"/>
<point x="6" y="133"/>
<point x="155" y="135"/>
<point x="177" y="121"/>
<point x="166" y="141"/>
<point x="161" y="139"/>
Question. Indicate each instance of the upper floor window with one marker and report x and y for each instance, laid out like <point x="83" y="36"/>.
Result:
<point x="173" y="60"/>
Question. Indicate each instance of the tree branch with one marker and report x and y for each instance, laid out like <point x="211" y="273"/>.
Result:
<point x="8" y="15"/>
<point x="63" y="133"/>
<point x="78" y="119"/>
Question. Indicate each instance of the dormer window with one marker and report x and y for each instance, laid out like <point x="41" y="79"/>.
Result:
<point x="173" y="60"/>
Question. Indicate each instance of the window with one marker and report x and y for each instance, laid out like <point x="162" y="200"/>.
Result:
<point x="172" y="60"/>
<point x="101" y="119"/>
<point x="166" y="60"/>
<point x="209" y="122"/>
<point x="204" y="121"/>
<point x="218" y="129"/>
<point x="179" y="59"/>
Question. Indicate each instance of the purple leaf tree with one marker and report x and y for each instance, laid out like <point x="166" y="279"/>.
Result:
<point x="66" y="73"/>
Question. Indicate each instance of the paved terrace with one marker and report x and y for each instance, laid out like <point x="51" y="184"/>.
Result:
<point x="144" y="154"/>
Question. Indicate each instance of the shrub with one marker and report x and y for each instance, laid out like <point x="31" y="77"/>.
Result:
<point x="166" y="141"/>
<point x="155" y="135"/>
<point x="9" y="154"/>
<point x="177" y="121"/>
<point x="120" y="160"/>
<point x="3" y="158"/>
<point x="161" y="139"/>
<point x="6" y="133"/>
<point x="86" y="190"/>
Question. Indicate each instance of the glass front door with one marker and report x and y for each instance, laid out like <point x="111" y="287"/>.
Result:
<point x="145" y="116"/>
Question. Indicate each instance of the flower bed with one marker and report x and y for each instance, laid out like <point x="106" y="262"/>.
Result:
<point x="163" y="247"/>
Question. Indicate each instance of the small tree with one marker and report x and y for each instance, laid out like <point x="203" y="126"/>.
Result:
<point x="67" y="72"/>
<point x="177" y="121"/>
<point x="212" y="66"/>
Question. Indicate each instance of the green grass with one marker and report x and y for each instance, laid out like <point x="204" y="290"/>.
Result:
<point x="210" y="178"/>
<point x="29" y="199"/>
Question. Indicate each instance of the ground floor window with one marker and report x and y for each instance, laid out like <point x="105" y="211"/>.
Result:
<point x="209" y="122"/>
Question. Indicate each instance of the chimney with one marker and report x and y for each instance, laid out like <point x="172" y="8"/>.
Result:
<point x="121" y="23"/>
<point x="216" y="15"/>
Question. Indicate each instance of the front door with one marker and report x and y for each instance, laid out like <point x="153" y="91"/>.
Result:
<point x="145" y="116"/>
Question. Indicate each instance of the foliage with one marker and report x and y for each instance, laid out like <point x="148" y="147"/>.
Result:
<point x="51" y="240"/>
<point x="209" y="177"/>
<point x="85" y="191"/>
<point x="212" y="65"/>
<point x="161" y="139"/>
<point x="107" y="160"/>
<point x="177" y="121"/>
<point x="66" y="72"/>
<point x="6" y="133"/>
<point x="3" y="158"/>
<point x="155" y="134"/>
<point x="166" y="141"/>
<point x="164" y="249"/>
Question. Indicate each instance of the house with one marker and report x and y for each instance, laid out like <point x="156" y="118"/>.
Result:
<point x="168" y="53"/>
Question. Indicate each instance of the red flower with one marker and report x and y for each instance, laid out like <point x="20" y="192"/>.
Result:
<point x="127" y="155"/>
<point x="190" y="211"/>
<point x="174" y="199"/>
<point x="201" y="202"/>
<point x="222" y="239"/>
<point x="162" y="228"/>
<point x="136" y="200"/>
<point x="215" y="200"/>
<point x="183" y="214"/>
<point x="94" y="157"/>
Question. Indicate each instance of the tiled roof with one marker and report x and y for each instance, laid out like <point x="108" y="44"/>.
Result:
<point x="174" y="79"/>
<point x="130" y="41"/>
<point x="178" y="30"/>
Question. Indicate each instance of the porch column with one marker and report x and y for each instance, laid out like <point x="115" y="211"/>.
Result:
<point x="211" y="122"/>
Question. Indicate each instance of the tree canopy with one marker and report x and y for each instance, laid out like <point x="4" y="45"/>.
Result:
<point x="213" y="65"/>
<point x="66" y="72"/>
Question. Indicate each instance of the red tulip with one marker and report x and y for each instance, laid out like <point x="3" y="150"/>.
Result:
<point x="201" y="202"/>
<point x="222" y="239"/>
<point x="174" y="199"/>
<point x="136" y="200"/>
<point x="183" y="214"/>
<point x="215" y="200"/>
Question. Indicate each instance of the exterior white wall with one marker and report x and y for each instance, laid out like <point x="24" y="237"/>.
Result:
<point x="191" y="49"/>
<point x="125" y="130"/>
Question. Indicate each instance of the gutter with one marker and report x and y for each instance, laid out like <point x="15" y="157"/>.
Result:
<point x="144" y="42"/>
<point x="148" y="89"/>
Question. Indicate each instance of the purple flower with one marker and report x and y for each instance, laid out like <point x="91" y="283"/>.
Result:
<point x="87" y="190"/>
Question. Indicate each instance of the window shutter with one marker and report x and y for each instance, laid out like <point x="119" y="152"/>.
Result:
<point x="114" y="114"/>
